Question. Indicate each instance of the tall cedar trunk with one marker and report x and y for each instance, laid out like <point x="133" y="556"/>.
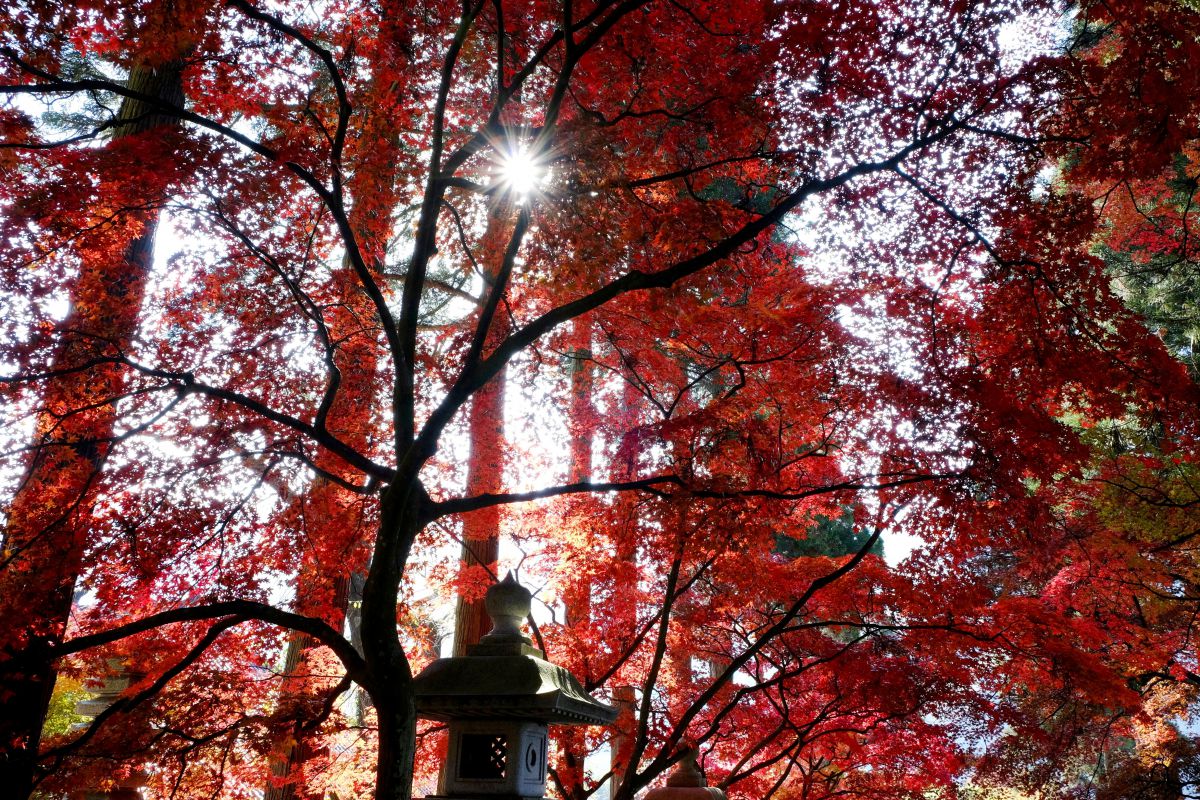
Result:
<point x="296" y="750"/>
<point x="624" y="699"/>
<point x="485" y="470"/>
<point x="624" y="696"/>
<point x="48" y="519"/>
<point x="577" y="599"/>
<point x="481" y="529"/>
<point x="329" y="514"/>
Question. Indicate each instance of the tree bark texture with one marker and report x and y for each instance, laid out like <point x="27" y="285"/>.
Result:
<point x="485" y="471"/>
<point x="53" y="502"/>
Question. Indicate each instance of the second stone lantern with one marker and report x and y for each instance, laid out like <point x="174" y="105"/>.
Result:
<point x="499" y="700"/>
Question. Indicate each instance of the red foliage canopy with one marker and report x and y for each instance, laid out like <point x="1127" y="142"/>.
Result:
<point x="822" y="296"/>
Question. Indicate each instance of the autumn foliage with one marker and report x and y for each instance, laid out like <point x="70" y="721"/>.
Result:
<point x="784" y="285"/>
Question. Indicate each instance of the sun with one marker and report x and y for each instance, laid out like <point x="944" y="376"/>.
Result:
<point x="520" y="172"/>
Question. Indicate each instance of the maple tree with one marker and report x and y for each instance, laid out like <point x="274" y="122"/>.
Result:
<point x="1126" y="562"/>
<point x="783" y="267"/>
<point x="1132" y="511"/>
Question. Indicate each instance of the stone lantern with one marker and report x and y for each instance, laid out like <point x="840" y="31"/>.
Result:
<point x="498" y="701"/>
<point x="686" y="783"/>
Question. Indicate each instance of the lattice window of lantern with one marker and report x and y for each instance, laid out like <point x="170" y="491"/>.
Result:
<point x="483" y="757"/>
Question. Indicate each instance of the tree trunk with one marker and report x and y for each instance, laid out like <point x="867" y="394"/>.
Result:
<point x="581" y="430"/>
<point x="481" y="529"/>
<point x="48" y="519"/>
<point x="577" y="597"/>
<point x="330" y="516"/>
<point x="297" y="750"/>
<point x="397" y="745"/>
<point x="624" y="696"/>
<point x="485" y="470"/>
<point x="390" y="680"/>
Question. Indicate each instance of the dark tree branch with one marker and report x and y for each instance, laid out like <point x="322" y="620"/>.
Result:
<point x="635" y="280"/>
<point x="496" y="293"/>
<point x="186" y="383"/>
<point x="124" y="705"/>
<point x="659" y="764"/>
<point x="404" y="399"/>
<point x="238" y="611"/>
<point x="462" y="505"/>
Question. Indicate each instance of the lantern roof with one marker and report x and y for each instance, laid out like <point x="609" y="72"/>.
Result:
<point x="504" y="676"/>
